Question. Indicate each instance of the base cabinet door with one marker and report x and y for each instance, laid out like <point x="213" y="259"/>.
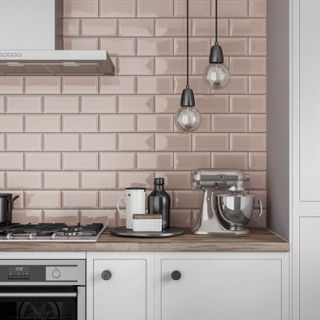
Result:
<point x="309" y="268"/>
<point x="121" y="289"/>
<point x="220" y="289"/>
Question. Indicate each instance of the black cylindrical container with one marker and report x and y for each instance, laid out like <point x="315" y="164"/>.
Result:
<point x="6" y="206"/>
<point x="159" y="202"/>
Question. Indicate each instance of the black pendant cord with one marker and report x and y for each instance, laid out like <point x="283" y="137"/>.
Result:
<point x="216" y="22"/>
<point x="187" y="43"/>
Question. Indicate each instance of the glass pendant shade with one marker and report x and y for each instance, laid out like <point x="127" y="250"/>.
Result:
<point x="188" y="117"/>
<point x="216" y="76"/>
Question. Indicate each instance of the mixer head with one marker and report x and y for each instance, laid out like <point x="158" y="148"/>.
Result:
<point x="220" y="179"/>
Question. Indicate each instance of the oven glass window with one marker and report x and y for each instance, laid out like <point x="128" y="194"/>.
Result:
<point x="45" y="303"/>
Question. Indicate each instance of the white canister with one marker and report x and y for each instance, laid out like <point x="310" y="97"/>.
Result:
<point x="135" y="199"/>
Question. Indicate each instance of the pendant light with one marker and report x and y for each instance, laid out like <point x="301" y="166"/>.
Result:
<point x="216" y="75"/>
<point x="188" y="117"/>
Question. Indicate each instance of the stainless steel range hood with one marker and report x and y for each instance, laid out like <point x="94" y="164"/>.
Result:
<point x="31" y="42"/>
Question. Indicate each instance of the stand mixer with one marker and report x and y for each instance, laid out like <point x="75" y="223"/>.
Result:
<point x="226" y="213"/>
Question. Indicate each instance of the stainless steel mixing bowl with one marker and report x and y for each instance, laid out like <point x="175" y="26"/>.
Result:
<point x="237" y="209"/>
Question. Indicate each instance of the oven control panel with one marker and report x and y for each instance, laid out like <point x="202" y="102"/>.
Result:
<point x="45" y="271"/>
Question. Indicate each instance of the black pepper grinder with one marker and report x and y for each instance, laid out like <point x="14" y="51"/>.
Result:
<point x="159" y="202"/>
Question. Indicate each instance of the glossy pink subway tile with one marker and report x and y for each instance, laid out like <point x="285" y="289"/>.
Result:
<point x="232" y="8"/>
<point x="191" y="160"/>
<point x="210" y="142"/>
<point x="257" y="161"/>
<point x="154" y="46"/>
<point x="42" y="85"/>
<point x="80" y="199"/>
<point x="80" y="161"/>
<point x="117" y="161"/>
<point x="23" y="180"/>
<point x="98" y="27"/>
<point x="11" y="123"/>
<point x="257" y="123"/>
<point x="11" y="161"/>
<point x="155" y="8"/>
<point x="136" y="141"/>
<point x="136" y="27"/>
<point x="80" y="8"/>
<point x="42" y="123"/>
<point x="119" y="46"/>
<point x="11" y="85"/>
<point x="79" y="85"/>
<point x="61" y="180"/>
<point x="248" y="27"/>
<point x="98" y="104"/>
<point x="24" y="142"/>
<point x="98" y="142"/>
<point x="80" y="123"/>
<point x="61" y="142"/>
<point x="198" y="8"/>
<point x="154" y="85"/>
<point x="24" y="104"/>
<point x="154" y="123"/>
<point x="117" y="123"/>
<point x="42" y="199"/>
<point x="135" y="179"/>
<point x="117" y="85"/>
<point x="81" y="43"/>
<point x="175" y="180"/>
<point x="229" y="123"/>
<point x="257" y="46"/>
<point x="61" y="104"/>
<point x="154" y="161"/>
<point x="42" y="161"/>
<point x="71" y="27"/>
<point x="136" y="104"/>
<point x="98" y="180"/>
<point x="173" y="142"/>
<point x="257" y="8"/>
<point x="136" y="66"/>
<point x="230" y="160"/>
<point x="248" y="104"/>
<point x="248" y="142"/>
<point x="117" y="8"/>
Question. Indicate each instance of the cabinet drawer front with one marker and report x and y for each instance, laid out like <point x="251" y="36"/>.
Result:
<point x="221" y="289"/>
<point x="120" y="289"/>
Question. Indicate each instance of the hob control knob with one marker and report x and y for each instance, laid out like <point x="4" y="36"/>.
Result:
<point x="175" y="275"/>
<point x="56" y="273"/>
<point x="106" y="275"/>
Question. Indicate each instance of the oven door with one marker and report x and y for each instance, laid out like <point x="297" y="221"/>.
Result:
<point x="42" y="303"/>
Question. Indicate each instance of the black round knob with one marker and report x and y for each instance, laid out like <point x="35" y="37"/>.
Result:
<point x="106" y="275"/>
<point x="176" y="275"/>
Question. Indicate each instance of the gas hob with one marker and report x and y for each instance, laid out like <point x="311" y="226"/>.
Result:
<point x="50" y="232"/>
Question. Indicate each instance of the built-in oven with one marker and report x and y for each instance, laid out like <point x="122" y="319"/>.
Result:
<point x="42" y="290"/>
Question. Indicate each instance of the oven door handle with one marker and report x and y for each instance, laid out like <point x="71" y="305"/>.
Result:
<point x="38" y="294"/>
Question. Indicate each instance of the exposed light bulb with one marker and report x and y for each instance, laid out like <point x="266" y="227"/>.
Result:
<point x="216" y="75"/>
<point x="188" y="119"/>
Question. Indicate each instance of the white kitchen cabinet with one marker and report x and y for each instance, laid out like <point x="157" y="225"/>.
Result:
<point x="213" y="285"/>
<point x="120" y="286"/>
<point x="221" y="286"/>
<point x="293" y="147"/>
<point x="309" y="268"/>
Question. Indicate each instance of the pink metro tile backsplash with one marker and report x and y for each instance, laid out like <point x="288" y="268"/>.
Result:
<point x="70" y="145"/>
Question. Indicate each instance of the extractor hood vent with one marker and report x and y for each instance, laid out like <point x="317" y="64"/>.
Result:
<point x="31" y="43"/>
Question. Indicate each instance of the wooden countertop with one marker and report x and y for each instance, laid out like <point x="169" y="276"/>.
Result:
<point x="258" y="240"/>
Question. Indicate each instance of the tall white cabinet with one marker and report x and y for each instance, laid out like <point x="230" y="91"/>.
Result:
<point x="293" y="143"/>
